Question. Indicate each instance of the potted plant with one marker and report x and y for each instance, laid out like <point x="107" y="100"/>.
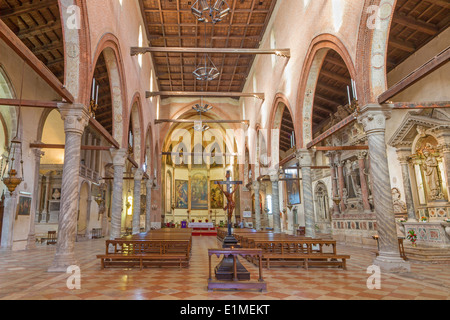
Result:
<point x="423" y="219"/>
<point x="412" y="236"/>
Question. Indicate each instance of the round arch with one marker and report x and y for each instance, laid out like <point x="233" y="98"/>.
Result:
<point x="109" y="46"/>
<point x="136" y="119"/>
<point x="316" y="55"/>
<point x="373" y="44"/>
<point x="280" y="104"/>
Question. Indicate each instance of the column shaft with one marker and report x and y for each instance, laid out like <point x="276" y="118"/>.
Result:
<point x="119" y="157"/>
<point x="137" y="201"/>
<point x="75" y="119"/>
<point x="373" y="118"/>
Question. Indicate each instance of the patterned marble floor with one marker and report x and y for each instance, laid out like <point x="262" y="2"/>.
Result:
<point x="23" y="276"/>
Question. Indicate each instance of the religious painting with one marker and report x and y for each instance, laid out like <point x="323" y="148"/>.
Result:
<point x="292" y="187"/>
<point x="181" y="194"/>
<point x="199" y="191"/>
<point x="216" y="196"/>
<point x="168" y="192"/>
<point x="24" y="206"/>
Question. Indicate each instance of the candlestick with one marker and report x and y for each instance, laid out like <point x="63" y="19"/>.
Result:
<point x="93" y="88"/>
<point x="96" y="98"/>
<point x="349" y="99"/>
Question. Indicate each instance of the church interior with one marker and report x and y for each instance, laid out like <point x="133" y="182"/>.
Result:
<point x="202" y="149"/>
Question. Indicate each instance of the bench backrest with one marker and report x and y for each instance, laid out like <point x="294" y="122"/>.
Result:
<point x="148" y="246"/>
<point x="294" y="246"/>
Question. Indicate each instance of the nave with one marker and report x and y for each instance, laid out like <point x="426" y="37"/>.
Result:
<point x="24" y="276"/>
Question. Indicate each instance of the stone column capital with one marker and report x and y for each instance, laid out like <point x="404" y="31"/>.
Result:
<point x="305" y="157"/>
<point x="139" y="174"/>
<point x="149" y="183"/>
<point x="373" y="118"/>
<point x="38" y="153"/>
<point x="256" y="185"/>
<point x="75" y="117"/>
<point x="119" y="156"/>
<point x="362" y="155"/>
<point x="274" y="175"/>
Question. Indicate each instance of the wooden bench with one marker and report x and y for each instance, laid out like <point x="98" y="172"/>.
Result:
<point x="129" y="253"/>
<point x="300" y="252"/>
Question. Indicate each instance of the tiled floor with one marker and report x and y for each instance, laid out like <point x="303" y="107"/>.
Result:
<point x="23" y="275"/>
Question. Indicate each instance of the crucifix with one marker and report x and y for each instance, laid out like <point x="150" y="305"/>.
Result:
<point x="231" y="204"/>
<point x="225" y="270"/>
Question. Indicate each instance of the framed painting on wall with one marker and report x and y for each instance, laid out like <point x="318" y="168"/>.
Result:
<point x="216" y="196"/>
<point x="181" y="194"/>
<point x="24" y="206"/>
<point x="292" y="187"/>
<point x="199" y="190"/>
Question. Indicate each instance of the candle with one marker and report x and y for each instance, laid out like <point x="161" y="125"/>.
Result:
<point x="96" y="98"/>
<point x="93" y="88"/>
<point x="349" y="99"/>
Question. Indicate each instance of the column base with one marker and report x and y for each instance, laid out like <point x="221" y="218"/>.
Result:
<point x="392" y="263"/>
<point x="61" y="263"/>
<point x="31" y="242"/>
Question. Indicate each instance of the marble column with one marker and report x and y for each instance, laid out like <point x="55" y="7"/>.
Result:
<point x="119" y="157"/>
<point x="148" y="205"/>
<point x="76" y="118"/>
<point x="340" y="170"/>
<point x="373" y="117"/>
<point x="9" y="217"/>
<point x="305" y="160"/>
<point x="334" y="186"/>
<point x="137" y="201"/>
<point x="256" y="187"/>
<point x="274" y="178"/>
<point x="362" y="177"/>
<point x="45" y="213"/>
<point x="403" y="158"/>
<point x="31" y="240"/>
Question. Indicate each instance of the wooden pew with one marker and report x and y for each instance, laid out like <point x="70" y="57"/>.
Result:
<point x="283" y="249"/>
<point x="305" y="252"/>
<point x="129" y="253"/>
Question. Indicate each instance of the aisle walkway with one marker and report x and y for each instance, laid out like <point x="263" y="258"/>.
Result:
<point x="23" y="276"/>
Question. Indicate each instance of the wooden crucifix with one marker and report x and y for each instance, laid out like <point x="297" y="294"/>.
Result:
<point x="229" y="192"/>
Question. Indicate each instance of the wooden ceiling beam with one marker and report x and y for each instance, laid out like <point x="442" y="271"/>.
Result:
<point x="279" y="52"/>
<point x="418" y="74"/>
<point x="260" y="96"/>
<point x="421" y="26"/>
<point x="23" y="52"/>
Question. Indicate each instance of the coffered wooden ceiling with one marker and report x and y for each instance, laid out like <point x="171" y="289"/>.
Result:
<point x="415" y="23"/>
<point x="38" y="24"/>
<point x="170" y="23"/>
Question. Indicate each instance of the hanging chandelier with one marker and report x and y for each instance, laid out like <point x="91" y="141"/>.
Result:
<point x="206" y="10"/>
<point x="10" y="178"/>
<point x="200" y="108"/>
<point x="207" y="71"/>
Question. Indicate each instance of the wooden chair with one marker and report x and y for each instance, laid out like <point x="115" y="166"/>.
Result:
<point x="51" y="238"/>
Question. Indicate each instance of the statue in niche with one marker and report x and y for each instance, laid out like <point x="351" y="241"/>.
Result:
<point x="399" y="205"/>
<point x="431" y="171"/>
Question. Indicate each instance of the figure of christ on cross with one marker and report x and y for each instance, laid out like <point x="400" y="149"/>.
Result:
<point x="231" y="205"/>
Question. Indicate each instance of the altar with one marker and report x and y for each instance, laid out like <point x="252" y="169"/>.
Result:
<point x="201" y="225"/>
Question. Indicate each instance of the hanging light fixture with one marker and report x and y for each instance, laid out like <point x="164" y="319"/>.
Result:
<point x="207" y="71"/>
<point x="10" y="178"/>
<point x="206" y="10"/>
<point x="200" y="108"/>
